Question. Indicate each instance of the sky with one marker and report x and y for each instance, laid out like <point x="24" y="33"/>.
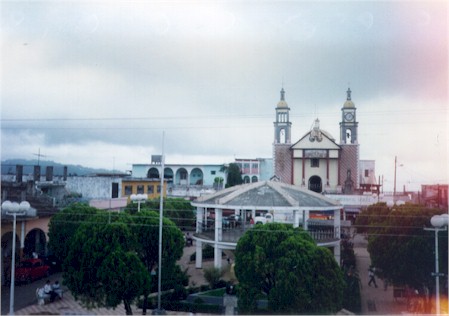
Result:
<point x="107" y="84"/>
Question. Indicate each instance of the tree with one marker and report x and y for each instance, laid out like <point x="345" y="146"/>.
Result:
<point x="283" y="264"/>
<point x="402" y="250"/>
<point x="63" y="225"/>
<point x="102" y="268"/>
<point x="178" y="210"/>
<point x="146" y="231"/>
<point x="234" y="175"/>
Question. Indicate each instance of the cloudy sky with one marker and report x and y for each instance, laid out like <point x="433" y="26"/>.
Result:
<point x="98" y="83"/>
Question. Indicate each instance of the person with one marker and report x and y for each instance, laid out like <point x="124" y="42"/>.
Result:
<point x="251" y="222"/>
<point x="48" y="290"/>
<point x="372" y="279"/>
<point x="189" y="240"/>
<point x="57" y="289"/>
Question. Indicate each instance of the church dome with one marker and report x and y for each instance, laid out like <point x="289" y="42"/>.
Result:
<point x="282" y="104"/>
<point x="348" y="103"/>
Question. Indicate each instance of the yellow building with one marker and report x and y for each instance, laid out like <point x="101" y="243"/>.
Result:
<point x="152" y="187"/>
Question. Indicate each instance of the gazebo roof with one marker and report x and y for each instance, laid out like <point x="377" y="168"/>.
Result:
<point x="267" y="195"/>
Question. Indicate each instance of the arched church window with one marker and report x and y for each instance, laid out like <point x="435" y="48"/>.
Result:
<point x="282" y="139"/>
<point x="348" y="136"/>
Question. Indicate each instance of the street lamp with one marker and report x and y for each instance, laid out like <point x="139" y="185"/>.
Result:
<point x="159" y="310"/>
<point x="395" y="171"/>
<point x="139" y="198"/>
<point x="440" y="223"/>
<point x="14" y="209"/>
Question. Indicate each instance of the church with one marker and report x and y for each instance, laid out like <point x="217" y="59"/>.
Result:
<point x="317" y="161"/>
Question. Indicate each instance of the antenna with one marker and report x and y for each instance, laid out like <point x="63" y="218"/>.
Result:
<point x="39" y="155"/>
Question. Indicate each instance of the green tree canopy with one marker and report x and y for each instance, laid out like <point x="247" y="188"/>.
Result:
<point x="401" y="248"/>
<point x="178" y="210"/>
<point x="102" y="268"/>
<point x="63" y="226"/>
<point x="146" y="229"/>
<point x="234" y="175"/>
<point x="283" y="264"/>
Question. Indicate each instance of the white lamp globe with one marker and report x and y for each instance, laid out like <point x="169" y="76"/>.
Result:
<point x="24" y="206"/>
<point x="6" y="205"/>
<point x="437" y="221"/>
<point x="14" y="208"/>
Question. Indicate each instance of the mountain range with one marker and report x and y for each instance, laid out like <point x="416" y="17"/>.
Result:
<point x="9" y="167"/>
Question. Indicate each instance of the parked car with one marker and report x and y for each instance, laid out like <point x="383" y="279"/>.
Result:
<point x="31" y="269"/>
<point x="263" y="219"/>
<point x="53" y="262"/>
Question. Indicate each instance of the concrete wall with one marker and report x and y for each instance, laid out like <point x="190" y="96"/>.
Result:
<point x="93" y="187"/>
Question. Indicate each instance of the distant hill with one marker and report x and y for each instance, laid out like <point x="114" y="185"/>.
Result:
<point x="9" y="167"/>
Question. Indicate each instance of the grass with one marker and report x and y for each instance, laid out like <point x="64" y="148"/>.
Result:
<point x="216" y="292"/>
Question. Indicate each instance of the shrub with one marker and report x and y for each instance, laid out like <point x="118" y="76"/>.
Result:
<point x="212" y="276"/>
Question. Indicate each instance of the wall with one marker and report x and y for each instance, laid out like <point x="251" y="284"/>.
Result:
<point x="93" y="187"/>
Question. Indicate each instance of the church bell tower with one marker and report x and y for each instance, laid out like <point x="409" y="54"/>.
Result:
<point x="282" y="161"/>
<point x="348" y="124"/>
<point x="282" y="126"/>
<point x="349" y="155"/>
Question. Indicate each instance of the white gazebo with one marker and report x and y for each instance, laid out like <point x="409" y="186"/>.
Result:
<point x="319" y="215"/>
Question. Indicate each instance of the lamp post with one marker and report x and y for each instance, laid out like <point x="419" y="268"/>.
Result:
<point x="139" y="198"/>
<point x="440" y="223"/>
<point x="395" y="172"/>
<point x="159" y="310"/>
<point x="14" y="209"/>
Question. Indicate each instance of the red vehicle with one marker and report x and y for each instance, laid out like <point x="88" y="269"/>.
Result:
<point x="31" y="269"/>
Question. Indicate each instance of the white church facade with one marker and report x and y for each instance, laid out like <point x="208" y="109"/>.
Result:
<point x="317" y="161"/>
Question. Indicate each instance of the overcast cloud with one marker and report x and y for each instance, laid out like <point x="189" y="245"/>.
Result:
<point x="96" y="83"/>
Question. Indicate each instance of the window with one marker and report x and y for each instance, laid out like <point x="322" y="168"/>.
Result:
<point x="150" y="189"/>
<point x="128" y="190"/>
<point x="140" y="189"/>
<point x="366" y="172"/>
<point x="314" y="162"/>
<point x="212" y="172"/>
<point x="158" y="189"/>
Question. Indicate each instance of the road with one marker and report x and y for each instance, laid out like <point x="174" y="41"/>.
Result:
<point x="25" y="294"/>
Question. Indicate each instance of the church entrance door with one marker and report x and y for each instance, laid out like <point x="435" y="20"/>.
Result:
<point x="315" y="184"/>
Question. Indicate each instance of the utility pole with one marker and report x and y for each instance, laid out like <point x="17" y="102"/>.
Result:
<point x="395" y="167"/>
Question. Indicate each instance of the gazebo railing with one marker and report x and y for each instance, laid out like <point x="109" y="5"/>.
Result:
<point x="233" y="234"/>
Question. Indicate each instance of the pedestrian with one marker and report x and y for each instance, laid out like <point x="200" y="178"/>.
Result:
<point x="48" y="290"/>
<point x="57" y="289"/>
<point x="371" y="276"/>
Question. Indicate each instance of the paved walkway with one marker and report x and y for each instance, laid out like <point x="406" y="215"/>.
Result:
<point x="375" y="301"/>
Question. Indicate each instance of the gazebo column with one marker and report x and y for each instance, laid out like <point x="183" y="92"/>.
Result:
<point x="199" y="244"/>
<point x="218" y="237"/>
<point x="296" y="218"/>
<point x="305" y="217"/>
<point x="199" y="255"/>
<point x="199" y="219"/>
<point x="337" y="252"/>
<point x="337" y="232"/>
<point x="337" y="224"/>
